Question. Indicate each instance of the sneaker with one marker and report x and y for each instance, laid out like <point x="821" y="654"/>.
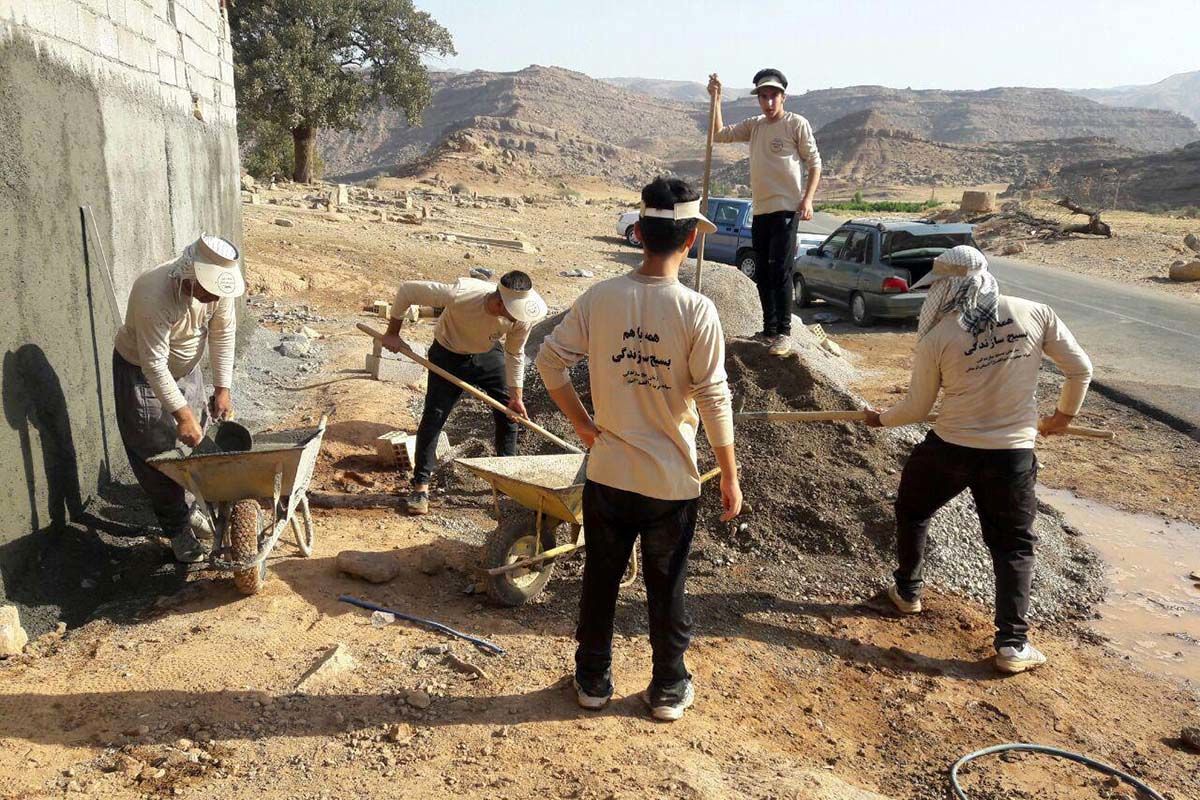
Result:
<point x="187" y="547"/>
<point x="1013" y="660"/>
<point x="762" y="336"/>
<point x="417" y="502"/>
<point x="595" y="695"/>
<point x="781" y="345"/>
<point x="902" y="605"/>
<point x="669" y="705"/>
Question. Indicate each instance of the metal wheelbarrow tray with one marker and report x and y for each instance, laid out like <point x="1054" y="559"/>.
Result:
<point x="228" y="486"/>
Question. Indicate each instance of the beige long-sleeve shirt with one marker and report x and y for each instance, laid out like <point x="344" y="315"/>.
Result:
<point x="776" y="151"/>
<point x="989" y="382"/>
<point x="165" y="332"/>
<point x="465" y="327"/>
<point x="656" y="367"/>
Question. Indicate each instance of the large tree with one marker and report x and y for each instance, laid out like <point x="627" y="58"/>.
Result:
<point x="304" y="65"/>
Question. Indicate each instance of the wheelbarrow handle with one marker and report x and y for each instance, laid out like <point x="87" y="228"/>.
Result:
<point x="476" y="393"/>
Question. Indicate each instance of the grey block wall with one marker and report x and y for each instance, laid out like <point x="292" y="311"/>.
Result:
<point x="126" y="106"/>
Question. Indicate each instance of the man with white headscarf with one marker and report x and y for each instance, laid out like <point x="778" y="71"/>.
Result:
<point x="174" y="310"/>
<point x="983" y="350"/>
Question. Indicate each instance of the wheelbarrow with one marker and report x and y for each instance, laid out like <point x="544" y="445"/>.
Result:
<point x="519" y="554"/>
<point x="228" y="487"/>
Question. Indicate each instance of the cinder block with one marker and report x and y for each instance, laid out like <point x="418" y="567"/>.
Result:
<point x="136" y="51"/>
<point x="116" y="12"/>
<point x="106" y="38"/>
<point x="166" y="69"/>
<point x="393" y="370"/>
<point x="66" y="20"/>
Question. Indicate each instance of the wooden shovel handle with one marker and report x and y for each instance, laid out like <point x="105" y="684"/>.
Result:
<point x="471" y="390"/>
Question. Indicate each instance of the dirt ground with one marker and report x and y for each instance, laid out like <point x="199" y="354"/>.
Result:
<point x="199" y="697"/>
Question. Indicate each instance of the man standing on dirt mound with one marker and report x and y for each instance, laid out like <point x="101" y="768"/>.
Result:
<point x="984" y="351"/>
<point x="779" y="142"/>
<point x="466" y="343"/>
<point x="656" y="368"/>
<point x="174" y="310"/>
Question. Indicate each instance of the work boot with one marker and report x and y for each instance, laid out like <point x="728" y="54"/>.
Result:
<point x="1019" y="659"/>
<point x="669" y="704"/>
<point x="593" y="693"/>
<point x="902" y="605"/>
<point x="187" y="548"/>
<point x="417" y="502"/>
<point x="781" y="345"/>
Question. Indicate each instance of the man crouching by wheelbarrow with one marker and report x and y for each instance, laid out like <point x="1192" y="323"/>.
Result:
<point x="466" y="343"/>
<point x="656" y="355"/>
<point x="173" y="311"/>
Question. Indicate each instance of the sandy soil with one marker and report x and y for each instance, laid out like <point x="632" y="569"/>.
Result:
<point x="828" y="700"/>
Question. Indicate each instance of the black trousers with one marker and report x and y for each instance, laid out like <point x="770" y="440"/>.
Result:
<point x="483" y="370"/>
<point x="148" y="429"/>
<point x="613" y="518"/>
<point x="1002" y="483"/>
<point x="773" y="239"/>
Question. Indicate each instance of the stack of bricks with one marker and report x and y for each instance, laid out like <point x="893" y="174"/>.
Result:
<point x="398" y="449"/>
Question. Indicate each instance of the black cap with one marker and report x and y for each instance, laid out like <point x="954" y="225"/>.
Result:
<point x="769" y="77"/>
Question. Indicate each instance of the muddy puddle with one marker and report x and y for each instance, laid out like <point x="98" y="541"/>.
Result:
<point x="1152" y="609"/>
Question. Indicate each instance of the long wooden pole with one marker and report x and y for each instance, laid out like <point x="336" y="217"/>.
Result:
<point x="712" y="121"/>
<point x="476" y="393"/>
<point x="858" y="416"/>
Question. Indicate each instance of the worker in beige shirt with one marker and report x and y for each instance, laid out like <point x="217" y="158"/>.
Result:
<point x="656" y="368"/>
<point x="476" y="316"/>
<point x="174" y="311"/>
<point x="780" y="142"/>
<point x="983" y="351"/>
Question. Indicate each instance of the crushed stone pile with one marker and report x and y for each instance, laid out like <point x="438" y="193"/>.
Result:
<point x="819" y="520"/>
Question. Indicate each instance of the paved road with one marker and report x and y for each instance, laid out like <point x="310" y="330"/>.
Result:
<point x="1144" y="344"/>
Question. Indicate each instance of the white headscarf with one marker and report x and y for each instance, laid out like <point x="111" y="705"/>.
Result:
<point x="962" y="286"/>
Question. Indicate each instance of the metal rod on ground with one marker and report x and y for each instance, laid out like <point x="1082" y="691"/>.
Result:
<point x="484" y="644"/>
<point x="858" y="416"/>
<point x="476" y="393"/>
<point x="712" y="121"/>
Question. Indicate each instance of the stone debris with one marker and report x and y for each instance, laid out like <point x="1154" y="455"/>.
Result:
<point x="418" y="699"/>
<point x="284" y="222"/>
<point x="482" y="273"/>
<point x="13" y="637"/>
<point x="1192" y="241"/>
<point x="334" y="662"/>
<point x="294" y="345"/>
<point x="1191" y="738"/>
<point x="1185" y="272"/>
<point x="577" y="273"/>
<point x="1012" y="249"/>
<point x="374" y="567"/>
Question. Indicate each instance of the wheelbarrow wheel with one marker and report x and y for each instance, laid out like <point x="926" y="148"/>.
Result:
<point x="514" y="539"/>
<point x="302" y="527"/>
<point x="245" y="522"/>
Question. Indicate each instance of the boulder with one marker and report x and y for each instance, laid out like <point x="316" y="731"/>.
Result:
<point x="1192" y="241"/>
<point x="1185" y="272"/>
<point x="977" y="202"/>
<point x="284" y="222"/>
<point x="1012" y="248"/>
<point x="13" y="637"/>
<point x="372" y="567"/>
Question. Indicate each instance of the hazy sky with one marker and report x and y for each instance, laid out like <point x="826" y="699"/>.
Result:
<point x="899" y="43"/>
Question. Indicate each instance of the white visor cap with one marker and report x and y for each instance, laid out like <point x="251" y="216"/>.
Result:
<point x="527" y="306"/>
<point x="681" y="211"/>
<point x="216" y="266"/>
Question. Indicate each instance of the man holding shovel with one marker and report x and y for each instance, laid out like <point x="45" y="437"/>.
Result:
<point x="476" y="316"/>
<point x="779" y="142"/>
<point x="656" y="366"/>
<point x="174" y="310"/>
<point x="983" y="350"/>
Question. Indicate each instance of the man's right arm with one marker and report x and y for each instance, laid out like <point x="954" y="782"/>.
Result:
<point x="154" y="349"/>
<point x="414" y="293"/>
<point x="734" y="133"/>
<point x="566" y="346"/>
<point x="1076" y="367"/>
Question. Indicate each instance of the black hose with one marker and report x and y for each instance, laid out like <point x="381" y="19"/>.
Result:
<point x="483" y="644"/>
<point x="1053" y="751"/>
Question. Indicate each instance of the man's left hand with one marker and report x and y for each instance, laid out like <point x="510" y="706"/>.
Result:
<point x="805" y="210"/>
<point x="221" y="404"/>
<point x="1055" y="424"/>
<point x="872" y="420"/>
<point x="517" y="406"/>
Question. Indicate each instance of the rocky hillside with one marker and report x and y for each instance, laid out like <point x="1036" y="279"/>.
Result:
<point x="537" y="120"/>
<point x="867" y="148"/>
<point x="686" y="91"/>
<point x="1158" y="182"/>
<point x="992" y="115"/>
<point x="1177" y="93"/>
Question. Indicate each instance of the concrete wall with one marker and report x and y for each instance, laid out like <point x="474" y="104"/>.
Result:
<point x="126" y="106"/>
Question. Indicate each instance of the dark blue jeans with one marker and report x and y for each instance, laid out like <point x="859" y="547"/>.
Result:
<point x="482" y="370"/>
<point x="773" y="237"/>
<point x="1002" y="483"/>
<point x="613" y="519"/>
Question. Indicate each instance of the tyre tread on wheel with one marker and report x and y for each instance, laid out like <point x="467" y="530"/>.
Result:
<point x="800" y="294"/>
<point x="511" y="540"/>
<point x="859" y="313"/>
<point x="747" y="263"/>
<point x="631" y="237"/>
<point x="245" y="522"/>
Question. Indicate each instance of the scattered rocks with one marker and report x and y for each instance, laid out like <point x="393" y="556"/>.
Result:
<point x="294" y="345"/>
<point x="418" y="699"/>
<point x="284" y="222"/>
<point x="374" y="567"/>
<point x="482" y="273"/>
<point x="577" y="273"/>
<point x="1191" y="738"/>
<point x="335" y="661"/>
<point x="13" y="637"/>
<point x="1013" y="248"/>
<point x="1192" y="241"/>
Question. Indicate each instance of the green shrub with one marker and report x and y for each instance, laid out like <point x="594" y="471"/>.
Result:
<point x="875" y="207"/>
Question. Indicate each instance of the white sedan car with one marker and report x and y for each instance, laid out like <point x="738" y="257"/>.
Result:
<point x="625" y="228"/>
